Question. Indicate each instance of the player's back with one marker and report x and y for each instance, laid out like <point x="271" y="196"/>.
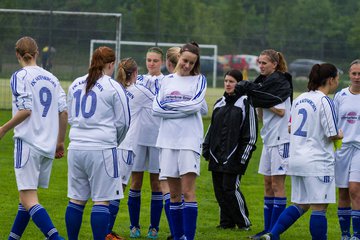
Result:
<point x="38" y="90"/>
<point x="99" y="118"/>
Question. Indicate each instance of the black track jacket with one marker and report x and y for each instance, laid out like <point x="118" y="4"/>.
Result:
<point x="231" y="136"/>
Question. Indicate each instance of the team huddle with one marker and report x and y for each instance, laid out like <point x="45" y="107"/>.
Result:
<point x="123" y="126"/>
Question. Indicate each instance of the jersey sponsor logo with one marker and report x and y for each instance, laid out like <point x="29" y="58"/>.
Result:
<point x="351" y="117"/>
<point x="176" y="96"/>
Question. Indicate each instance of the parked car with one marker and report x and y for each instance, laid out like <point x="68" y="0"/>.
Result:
<point x="240" y="62"/>
<point x="302" y="67"/>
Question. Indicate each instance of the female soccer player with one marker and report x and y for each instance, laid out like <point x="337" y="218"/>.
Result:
<point x="99" y="117"/>
<point x="146" y="153"/>
<point x="313" y="130"/>
<point x="347" y="165"/>
<point x="229" y="143"/>
<point x="180" y="103"/>
<point x="127" y="71"/>
<point x="39" y="121"/>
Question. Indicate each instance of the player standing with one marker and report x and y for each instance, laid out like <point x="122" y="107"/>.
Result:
<point x="146" y="153"/>
<point x="313" y="129"/>
<point x="180" y="103"/>
<point x="347" y="165"/>
<point x="99" y="117"/>
<point x="39" y="121"/>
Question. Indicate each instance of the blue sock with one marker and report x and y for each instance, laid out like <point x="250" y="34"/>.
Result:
<point x="176" y="213"/>
<point x="134" y="202"/>
<point x="73" y="219"/>
<point x="355" y="216"/>
<point x="190" y="213"/>
<point x="114" y="209"/>
<point x="278" y="208"/>
<point x="42" y="220"/>
<point x="21" y="221"/>
<point x="344" y="215"/>
<point x="156" y="209"/>
<point x="268" y="209"/>
<point x="100" y="217"/>
<point x="286" y="219"/>
<point x="318" y="225"/>
<point x="167" y="212"/>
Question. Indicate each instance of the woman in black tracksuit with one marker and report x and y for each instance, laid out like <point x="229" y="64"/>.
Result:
<point x="229" y="143"/>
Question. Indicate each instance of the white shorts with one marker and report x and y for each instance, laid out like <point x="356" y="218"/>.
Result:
<point x="32" y="170"/>
<point x="126" y="161"/>
<point x="146" y="159"/>
<point x="274" y="160"/>
<point x="313" y="190"/>
<point x="175" y="163"/>
<point x="347" y="166"/>
<point x="94" y="174"/>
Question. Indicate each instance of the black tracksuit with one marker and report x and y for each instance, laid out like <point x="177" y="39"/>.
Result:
<point x="229" y="143"/>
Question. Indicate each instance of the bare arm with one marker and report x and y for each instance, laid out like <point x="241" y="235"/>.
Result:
<point x="18" y="118"/>
<point x="340" y="135"/>
<point x="279" y="112"/>
<point x="63" y="116"/>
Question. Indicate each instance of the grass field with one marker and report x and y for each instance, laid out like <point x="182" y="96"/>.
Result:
<point x="55" y="201"/>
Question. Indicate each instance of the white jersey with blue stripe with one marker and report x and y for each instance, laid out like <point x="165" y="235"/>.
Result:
<point x="99" y="119"/>
<point x="180" y="103"/>
<point x="36" y="89"/>
<point x="348" y="113"/>
<point x="313" y="121"/>
<point x="275" y="128"/>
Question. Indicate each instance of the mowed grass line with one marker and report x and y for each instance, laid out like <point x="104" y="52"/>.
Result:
<point x="55" y="199"/>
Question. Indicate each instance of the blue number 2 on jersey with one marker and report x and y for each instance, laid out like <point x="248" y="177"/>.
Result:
<point x="80" y="103"/>
<point x="300" y="132"/>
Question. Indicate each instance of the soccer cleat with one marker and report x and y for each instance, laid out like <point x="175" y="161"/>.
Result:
<point x="267" y="236"/>
<point x="135" y="232"/>
<point x="258" y="235"/>
<point x="152" y="233"/>
<point x="114" y="236"/>
<point x="354" y="238"/>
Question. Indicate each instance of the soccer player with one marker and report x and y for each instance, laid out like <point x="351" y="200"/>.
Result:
<point x="180" y="104"/>
<point x="127" y="71"/>
<point x="99" y="117"/>
<point x="146" y="153"/>
<point x="229" y="143"/>
<point x="347" y="164"/>
<point x="39" y="121"/>
<point x="313" y="130"/>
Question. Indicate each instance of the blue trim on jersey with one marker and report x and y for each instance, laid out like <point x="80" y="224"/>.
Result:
<point x="203" y="84"/>
<point x="127" y="99"/>
<point x="333" y="111"/>
<point x="115" y="162"/>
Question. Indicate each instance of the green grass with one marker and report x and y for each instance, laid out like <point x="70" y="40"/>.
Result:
<point x="55" y="199"/>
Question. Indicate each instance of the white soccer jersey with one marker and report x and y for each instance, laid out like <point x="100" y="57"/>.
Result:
<point x="348" y="113"/>
<point x="100" y="119"/>
<point x="36" y="89"/>
<point x="313" y="121"/>
<point x="180" y="103"/>
<point x="275" y="128"/>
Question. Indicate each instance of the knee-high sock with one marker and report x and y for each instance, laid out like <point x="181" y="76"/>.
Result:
<point x="344" y="215"/>
<point x="190" y="213"/>
<point x="20" y="223"/>
<point x="134" y="203"/>
<point x="286" y="219"/>
<point x="113" y="209"/>
<point x="268" y="209"/>
<point x="42" y="220"/>
<point x="100" y="217"/>
<point x="73" y="220"/>
<point x="156" y="209"/>
<point x="176" y="213"/>
<point x="355" y="216"/>
<point x="278" y="208"/>
<point x="167" y="212"/>
<point x="318" y="225"/>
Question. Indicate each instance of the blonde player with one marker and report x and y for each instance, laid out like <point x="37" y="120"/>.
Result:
<point x="39" y="121"/>
<point x="146" y="153"/>
<point x="99" y="117"/>
<point x="180" y="103"/>
<point x="347" y="165"/>
<point x="311" y="165"/>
